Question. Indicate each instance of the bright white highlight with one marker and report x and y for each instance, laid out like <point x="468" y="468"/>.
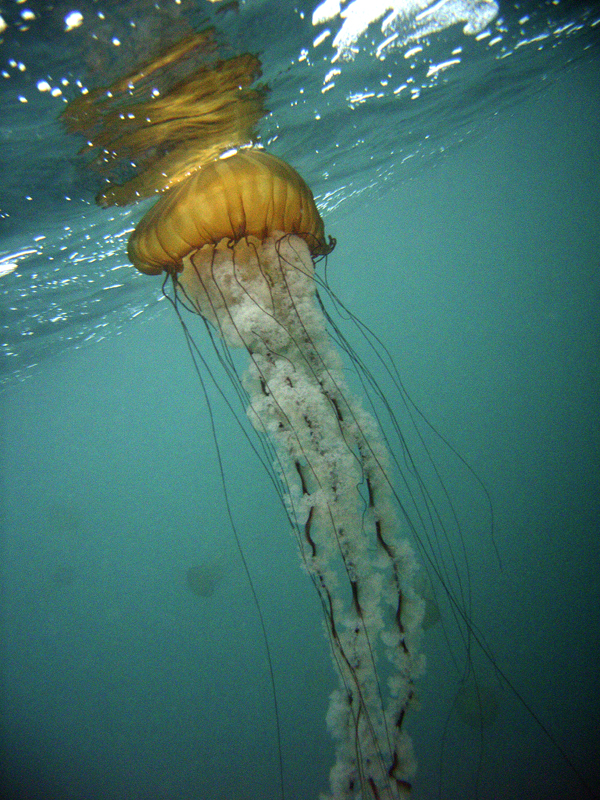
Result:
<point x="326" y="11"/>
<point x="10" y="262"/>
<point x="435" y="68"/>
<point x="408" y="20"/>
<point x="73" y="20"/>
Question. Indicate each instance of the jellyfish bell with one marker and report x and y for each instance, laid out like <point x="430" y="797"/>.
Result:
<point x="238" y="239"/>
<point x="219" y="230"/>
<point x="227" y="212"/>
<point x="248" y="193"/>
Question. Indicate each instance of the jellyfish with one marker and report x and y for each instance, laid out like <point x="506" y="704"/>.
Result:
<point x="237" y="241"/>
<point x="203" y="579"/>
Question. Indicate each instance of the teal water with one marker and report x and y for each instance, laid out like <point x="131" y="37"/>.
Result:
<point x="479" y="270"/>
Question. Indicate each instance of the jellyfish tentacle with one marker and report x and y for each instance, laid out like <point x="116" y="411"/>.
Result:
<point x="376" y="476"/>
<point x="327" y="447"/>
<point x="298" y="397"/>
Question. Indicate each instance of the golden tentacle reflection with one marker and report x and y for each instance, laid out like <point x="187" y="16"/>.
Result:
<point x="149" y="130"/>
<point x="238" y="240"/>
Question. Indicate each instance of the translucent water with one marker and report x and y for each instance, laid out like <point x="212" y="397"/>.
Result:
<point x="459" y="173"/>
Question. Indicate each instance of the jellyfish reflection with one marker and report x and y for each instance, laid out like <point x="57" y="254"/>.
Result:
<point x="238" y="240"/>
